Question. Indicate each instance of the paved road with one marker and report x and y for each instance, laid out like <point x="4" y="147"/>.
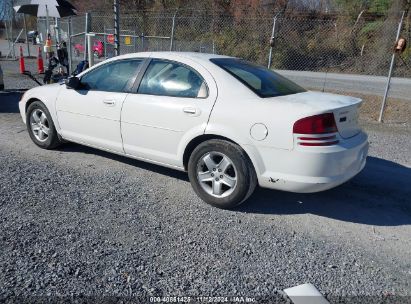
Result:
<point x="363" y="84"/>
<point x="80" y="222"/>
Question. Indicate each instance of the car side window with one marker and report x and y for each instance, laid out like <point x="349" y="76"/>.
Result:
<point x="168" y="78"/>
<point x="112" y="77"/>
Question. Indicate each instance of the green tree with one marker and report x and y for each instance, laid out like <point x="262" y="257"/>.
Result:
<point x="354" y="7"/>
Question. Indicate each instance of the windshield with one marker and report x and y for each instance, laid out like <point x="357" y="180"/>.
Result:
<point x="264" y="82"/>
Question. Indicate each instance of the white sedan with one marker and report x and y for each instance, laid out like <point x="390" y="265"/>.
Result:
<point x="229" y="123"/>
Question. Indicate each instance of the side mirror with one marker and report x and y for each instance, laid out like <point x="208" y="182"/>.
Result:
<point x="72" y="83"/>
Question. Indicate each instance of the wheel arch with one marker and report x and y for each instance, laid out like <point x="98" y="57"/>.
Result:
<point x="205" y="137"/>
<point x="30" y="101"/>
<point x="53" y="117"/>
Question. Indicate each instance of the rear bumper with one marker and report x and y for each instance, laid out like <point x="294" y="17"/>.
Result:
<point x="313" y="169"/>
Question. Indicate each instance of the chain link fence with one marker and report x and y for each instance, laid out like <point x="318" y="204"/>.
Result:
<point x="302" y="43"/>
<point x="332" y="46"/>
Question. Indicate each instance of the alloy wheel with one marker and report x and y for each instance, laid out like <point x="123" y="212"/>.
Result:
<point x="217" y="174"/>
<point x="39" y="125"/>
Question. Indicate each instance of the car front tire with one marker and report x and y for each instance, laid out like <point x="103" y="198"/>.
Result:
<point x="221" y="173"/>
<point x="41" y="127"/>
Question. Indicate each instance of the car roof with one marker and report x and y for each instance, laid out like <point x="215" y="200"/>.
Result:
<point x="194" y="59"/>
<point x="174" y="55"/>
<point x="201" y="58"/>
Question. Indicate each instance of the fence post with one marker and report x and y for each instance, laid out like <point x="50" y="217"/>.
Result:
<point x="142" y="42"/>
<point x="90" y="50"/>
<point x="172" y="32"/>
<point x="47" y="23"/>
<point x="7" y="36"/>
<point x="70" y="54"/>
<point x="12" y="40"/>
<point x="27" y="36"/>
<point x="105" y="42"/>
<point x="390" y="71"/>
<point x="135" y="42"/>
<point x="270" y="55"/>
<point x="57" y="30"/>
<point x="116" y="29"/>
<point x="86" y="30"/>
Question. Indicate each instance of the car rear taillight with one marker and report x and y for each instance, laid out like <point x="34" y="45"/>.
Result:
<point x="315" y="126"/>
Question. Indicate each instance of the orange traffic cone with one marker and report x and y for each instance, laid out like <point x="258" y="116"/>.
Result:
<point x="22" y="66"/>
<point x="40" y="63"/>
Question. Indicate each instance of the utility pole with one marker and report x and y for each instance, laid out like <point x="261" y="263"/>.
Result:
<point x="116" y="29"/>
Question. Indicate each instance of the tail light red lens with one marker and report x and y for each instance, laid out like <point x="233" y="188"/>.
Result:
<point x="317" y="124"/>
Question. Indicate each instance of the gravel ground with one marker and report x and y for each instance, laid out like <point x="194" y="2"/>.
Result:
<point x="81" y="225"/>
<point x="15" y="81"/>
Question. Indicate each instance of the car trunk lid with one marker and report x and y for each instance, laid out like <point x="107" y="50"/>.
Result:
<point x="344" y="108"/>
<point x="347" y="120"/>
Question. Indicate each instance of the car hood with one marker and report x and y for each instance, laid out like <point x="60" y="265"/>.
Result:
<point x="39" y="91"/>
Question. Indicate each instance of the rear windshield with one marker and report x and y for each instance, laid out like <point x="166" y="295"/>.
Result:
<point x="262" y="81"/>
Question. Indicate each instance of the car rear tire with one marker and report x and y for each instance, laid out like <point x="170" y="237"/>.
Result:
<point x="221" y="173"/>
<point x="41" y="127"/>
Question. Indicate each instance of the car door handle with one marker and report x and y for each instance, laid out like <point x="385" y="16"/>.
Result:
<point x="109" y="102"/>
<point x="191" y="111"/>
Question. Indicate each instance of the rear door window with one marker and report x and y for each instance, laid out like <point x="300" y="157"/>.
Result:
<point x="169" y="78"/>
